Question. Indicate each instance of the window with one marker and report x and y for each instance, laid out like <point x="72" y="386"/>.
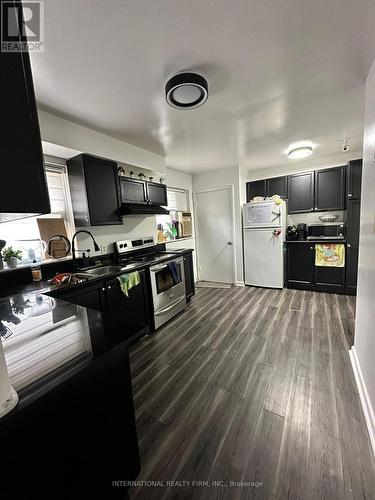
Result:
<point x="178" y="199"/>
<point x="168" y="227"/>
<point x="24" y="234"/>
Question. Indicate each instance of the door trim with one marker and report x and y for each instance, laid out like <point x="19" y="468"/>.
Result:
<point x="229" y="187"/>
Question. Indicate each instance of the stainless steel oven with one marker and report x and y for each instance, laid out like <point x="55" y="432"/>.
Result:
<point x="168" y="289"/>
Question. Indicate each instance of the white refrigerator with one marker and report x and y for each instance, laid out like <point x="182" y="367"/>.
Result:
<point x="264" y="226"/>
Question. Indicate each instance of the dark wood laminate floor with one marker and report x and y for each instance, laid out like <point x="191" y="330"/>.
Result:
<point x="251" y="384"/>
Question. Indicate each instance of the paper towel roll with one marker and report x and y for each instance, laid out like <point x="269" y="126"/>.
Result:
<point x="8" y="396"/>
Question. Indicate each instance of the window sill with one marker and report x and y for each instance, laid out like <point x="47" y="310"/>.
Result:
<point x="41" y="263"/>
<point x="178" y="239"/>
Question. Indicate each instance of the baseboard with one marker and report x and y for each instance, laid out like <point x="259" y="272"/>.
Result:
<point x="240" y="283"/>
<point x="363" y="394"/>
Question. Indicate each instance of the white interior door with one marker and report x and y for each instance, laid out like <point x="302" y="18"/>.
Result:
<point x="215" y="235"/>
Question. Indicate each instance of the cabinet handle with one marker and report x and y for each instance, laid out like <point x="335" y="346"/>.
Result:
<point x="109" y="287"/>
<point x="311" y="248"/>
<point x="103" y="289"/>
<point x="348" y="245"/>
<point x="350" y="194"/>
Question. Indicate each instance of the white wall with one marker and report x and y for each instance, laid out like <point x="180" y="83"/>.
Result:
<point x="62" y="132"/>
<point x="134" y="226"/>
<point x="226" y="177"/>
<point x="364" y="340"/>
<point x="65" y="138"/>
<point x="305" y="165"/>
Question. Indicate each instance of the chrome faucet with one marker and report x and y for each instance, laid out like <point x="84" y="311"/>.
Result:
<point x="96" y="246"/>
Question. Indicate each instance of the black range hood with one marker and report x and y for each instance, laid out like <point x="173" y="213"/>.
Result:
<point x="142" y="209"/>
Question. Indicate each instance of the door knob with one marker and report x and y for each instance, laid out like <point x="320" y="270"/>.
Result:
<point x="229" y="242"/>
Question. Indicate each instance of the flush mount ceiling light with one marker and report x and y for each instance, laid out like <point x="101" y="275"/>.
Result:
<point x="186" y="91"/>
<point x="300" y="152"/>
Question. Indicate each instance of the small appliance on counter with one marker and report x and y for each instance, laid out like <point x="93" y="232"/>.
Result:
<point x="301" y="232"/>
<point x="326" y="231"/>
<point x="291" y="233"/>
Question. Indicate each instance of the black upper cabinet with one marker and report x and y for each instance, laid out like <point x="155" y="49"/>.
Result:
<point x="23" y="188"/>
<point x="353" y="205"/>
<point x="330" y="189"/>
<point x="157" y="194"/>
<point x="354" y="179"/>
<point x="133" y="191"/>
<point x="267" y="187"/>
<point x="277" y="185"/>
<point x="301" y="193"/>
<point x="255" y="188"/>
<point x="138" y="192"/>
<point x="94" y="190"/>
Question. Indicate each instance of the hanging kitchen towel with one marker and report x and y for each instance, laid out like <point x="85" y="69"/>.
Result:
<point x="127" y="281"/>
<point x="173" y="270"/>
<point x="330" y="255"/>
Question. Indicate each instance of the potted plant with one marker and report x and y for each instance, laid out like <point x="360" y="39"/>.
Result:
<point x="12" y="257"/>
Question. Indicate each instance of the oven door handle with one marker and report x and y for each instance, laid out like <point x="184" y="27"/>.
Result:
<point x="174" y="303"/>
<point x="155" y="269"/>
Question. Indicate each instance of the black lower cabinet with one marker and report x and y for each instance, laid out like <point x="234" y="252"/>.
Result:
<point x="329" y="279"/>
<point x="300" y="265"/>
<point x="303" y="274"/>
<point x="189" y="275"/>
<point x="107" y="296"/>
<point x="135" y="307"/>
<point x="76" y="439"/>
<point x="351" y="269"/>
<point x="88" y="296"/>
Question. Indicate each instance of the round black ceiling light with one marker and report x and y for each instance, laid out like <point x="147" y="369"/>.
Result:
<point x="186" y="91"/>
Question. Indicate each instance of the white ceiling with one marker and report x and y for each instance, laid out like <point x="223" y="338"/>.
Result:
<point x="279" y="71"/>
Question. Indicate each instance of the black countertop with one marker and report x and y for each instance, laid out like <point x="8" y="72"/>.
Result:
<point x="75" y="416"/>
<point x="46" y="339"/>
<point x="46" y="286"/>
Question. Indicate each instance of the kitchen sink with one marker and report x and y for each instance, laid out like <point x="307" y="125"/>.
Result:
<point x="102" y="271"/>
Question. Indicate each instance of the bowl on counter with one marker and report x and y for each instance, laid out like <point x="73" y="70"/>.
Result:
<point x="328" y="217"/>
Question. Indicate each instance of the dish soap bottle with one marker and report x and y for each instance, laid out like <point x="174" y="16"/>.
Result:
<point x="36" y="271"/>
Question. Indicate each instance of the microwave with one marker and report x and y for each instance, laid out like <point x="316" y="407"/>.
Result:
<point x="326" y="231"/>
